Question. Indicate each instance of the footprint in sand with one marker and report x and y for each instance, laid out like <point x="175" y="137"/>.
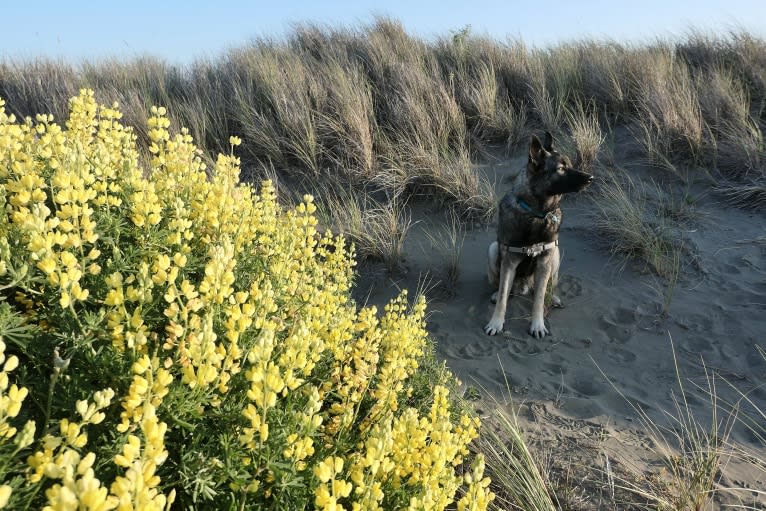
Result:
<point x="569" y="287"/>
<point x="588" y="387"/>
<point x="619" y="324"/>
<point x="696" y="322"/>
<point x="554" y="370"/>
<point x="731" y="269"/>
<point x="517" y="347"/>
<point x="476" y="349"/>
<point x="621" y="356"/>
<point x="507" y="380"/>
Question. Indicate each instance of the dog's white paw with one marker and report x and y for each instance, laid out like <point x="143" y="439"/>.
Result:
<point x="556" y="302"/>
<point x="493" y="327"/>
<point x="493" y="298"/>
<point x="537" y="329"/>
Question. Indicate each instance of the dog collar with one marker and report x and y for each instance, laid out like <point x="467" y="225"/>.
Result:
<point x="550" y="215"/>
<point x="533" y="250"/>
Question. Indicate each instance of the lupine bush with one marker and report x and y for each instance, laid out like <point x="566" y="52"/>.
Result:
<point x="173" y="338"/>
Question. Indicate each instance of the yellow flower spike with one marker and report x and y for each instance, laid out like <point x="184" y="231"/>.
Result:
<point x="274" y="331"/>
<point x="97" y="418"/>
<point x="78" y="293"/>
<point x="26" y="436"/>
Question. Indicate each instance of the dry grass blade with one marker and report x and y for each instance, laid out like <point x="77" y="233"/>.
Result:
<point x="548" y="98"/>
<point x="586" y="133"/>
<point x="549" y="109"/>
<point x="672" y="129"/>
<point x="693" y="453"/>
<point x="517" y="481"/>
<point x="624" y="218"/>
<point x="277" y="108"/>
<point x="748" y="195"/>
<point x="466" y="190"/>
<point x="448" y="242"/>
<point x="514" y="123"/>
<point x="753" y="417"/>
<point x="378" y="230"/>
<point x="348" y="124"/>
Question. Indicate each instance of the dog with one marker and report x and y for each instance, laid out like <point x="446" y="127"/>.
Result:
<point x="526" y="252"/>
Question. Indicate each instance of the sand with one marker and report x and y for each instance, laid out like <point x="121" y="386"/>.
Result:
<point x="615" y="345"/>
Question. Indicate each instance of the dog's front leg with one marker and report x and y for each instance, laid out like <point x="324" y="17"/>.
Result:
<point x="543" y="270"/>
<point x="508" y="264"/>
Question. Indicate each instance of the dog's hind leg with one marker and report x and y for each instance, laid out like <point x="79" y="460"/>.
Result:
<point x="508" y="264"/>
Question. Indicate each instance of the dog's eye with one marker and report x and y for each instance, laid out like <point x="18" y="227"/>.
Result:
<point x="560" y="170"/>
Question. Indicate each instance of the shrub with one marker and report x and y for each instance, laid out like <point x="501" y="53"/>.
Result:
<point x="174" y="337"/>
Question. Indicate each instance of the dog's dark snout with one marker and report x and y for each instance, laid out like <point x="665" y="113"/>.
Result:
<point x="585" y="179"/>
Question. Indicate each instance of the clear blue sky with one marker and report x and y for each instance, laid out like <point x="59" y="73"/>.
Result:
<point x="180" y="31"/>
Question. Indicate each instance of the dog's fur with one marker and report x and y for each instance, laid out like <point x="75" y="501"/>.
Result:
<point x="549" y="175"/>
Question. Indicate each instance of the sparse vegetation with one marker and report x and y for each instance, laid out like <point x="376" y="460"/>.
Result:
<point x="447" y="243"/>
<point x="517" y="480"/>
<point x="586" y="135"/>
<point x="748" y="194"/>
<point x="381" y="108"/>
<point x="636" y="223"/>
<point x="693" y="451"/>
<point x="377" y="229"/>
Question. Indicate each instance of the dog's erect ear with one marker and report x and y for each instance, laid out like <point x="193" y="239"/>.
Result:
<point x="548" y="143"/>
<point x="536" y="151"/>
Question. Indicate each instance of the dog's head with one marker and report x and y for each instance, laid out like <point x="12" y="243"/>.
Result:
<point x="552" y="173"/>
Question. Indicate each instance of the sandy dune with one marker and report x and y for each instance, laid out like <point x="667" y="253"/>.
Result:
<point x="613" y="322"/>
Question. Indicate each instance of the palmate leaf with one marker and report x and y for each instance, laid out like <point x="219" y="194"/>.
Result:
<point x="13" y="326"/>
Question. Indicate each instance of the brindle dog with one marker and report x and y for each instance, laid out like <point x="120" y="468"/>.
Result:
<point x="528" y="232"/>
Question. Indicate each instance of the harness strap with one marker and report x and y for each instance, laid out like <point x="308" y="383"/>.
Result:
<point x="533" y="250"/>
<point x="549" y="216"/>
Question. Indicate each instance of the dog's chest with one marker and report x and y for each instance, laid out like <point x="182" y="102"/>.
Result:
<point x="519" y="228"/>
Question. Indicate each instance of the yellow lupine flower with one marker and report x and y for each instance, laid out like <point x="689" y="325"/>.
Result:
<point x="183" y="303"/>
<point x="5" y="495"/>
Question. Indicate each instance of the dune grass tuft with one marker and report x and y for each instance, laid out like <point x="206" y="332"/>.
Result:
<point x="387" y="112"/>
<point x="517" y="480"/>
<point x="586" y="134"/>
<point x="377" y="229"/>
<point x="626" y="217"/>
